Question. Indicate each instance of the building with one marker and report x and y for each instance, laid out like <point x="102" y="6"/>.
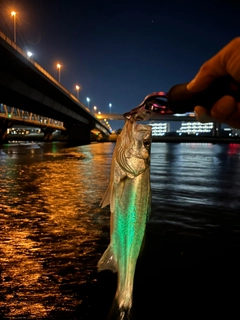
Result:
<point x="236" y="132"/>
<point x="159" y="128"/>
<point x="195" y="128"/>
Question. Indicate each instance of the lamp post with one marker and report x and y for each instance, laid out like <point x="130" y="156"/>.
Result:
<point x="95" y="109"/>
<point x="77" y="91"/>
<point x="110" y="106"/>
<point x="59" y="68"/>
<point x="88" y="100"/>
<point x="13" y="13"/>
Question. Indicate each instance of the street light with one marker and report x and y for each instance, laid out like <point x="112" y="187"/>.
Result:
<point x="88" y="100"/>
<point x="59" y="68"/>
<point x="29" y="53"/>
<point x="77" y="91"/>
<point x="110" y="106"/>
<point x="95" y="109"/>
<point x="13" y="13"/>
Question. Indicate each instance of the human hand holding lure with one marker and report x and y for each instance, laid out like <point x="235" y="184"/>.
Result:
<point x="214" y="94"/>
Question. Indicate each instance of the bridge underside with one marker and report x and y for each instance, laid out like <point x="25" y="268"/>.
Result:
<point x="26" y="85"/>
<point x="79" y="133"/>
<point x="78" y="127"/>
<point x="16" y="93"/>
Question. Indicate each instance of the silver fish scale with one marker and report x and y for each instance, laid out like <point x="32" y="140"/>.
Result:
<point x="129" y="195"/>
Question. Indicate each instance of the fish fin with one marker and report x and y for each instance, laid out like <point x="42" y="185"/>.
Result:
<point x="106" y="198"/>
<point x="117" y="313"/>
<point x="107" y="261"/>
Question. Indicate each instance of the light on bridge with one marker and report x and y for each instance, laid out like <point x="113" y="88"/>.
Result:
<point x="59" y="68"/>
<point x="13" y="14"/>
<point x="77" y="91"/>
<point x="88" y="100"/>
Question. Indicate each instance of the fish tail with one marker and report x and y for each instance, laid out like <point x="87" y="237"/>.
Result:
<point x="119" y="313"/>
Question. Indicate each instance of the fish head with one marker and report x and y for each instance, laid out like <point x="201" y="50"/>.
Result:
<point x="133" y="147"/>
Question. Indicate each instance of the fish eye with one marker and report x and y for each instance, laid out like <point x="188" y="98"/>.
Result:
<point x="146" y="143"/>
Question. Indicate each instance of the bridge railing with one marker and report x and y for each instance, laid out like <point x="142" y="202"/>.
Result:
<point x="21" y="116"/>
<point x="50" y="77"/>
<point x="41" y="69"/>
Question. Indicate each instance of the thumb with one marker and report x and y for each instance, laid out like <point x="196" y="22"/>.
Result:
<point x="226" y="61"/>
<point x="201" y="81"/>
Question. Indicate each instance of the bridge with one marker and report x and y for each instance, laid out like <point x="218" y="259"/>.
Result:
<point x="30" y="95"/>
<point x="26" y="86"/>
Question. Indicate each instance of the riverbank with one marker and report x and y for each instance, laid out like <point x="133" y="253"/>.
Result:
<point x="113" y="137"/>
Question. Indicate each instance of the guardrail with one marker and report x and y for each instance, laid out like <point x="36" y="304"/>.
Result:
<point x="50" y="77"/>
<point x="41" y="69"/>
<point x="20" y="116"/>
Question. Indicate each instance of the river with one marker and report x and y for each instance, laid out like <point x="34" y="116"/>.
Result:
<point x="53" y="232"/>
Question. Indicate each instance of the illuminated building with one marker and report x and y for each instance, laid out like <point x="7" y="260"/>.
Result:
<point x="195" y="128"/>
<point x="236" y="132"/>
<point x="159" y="129"/>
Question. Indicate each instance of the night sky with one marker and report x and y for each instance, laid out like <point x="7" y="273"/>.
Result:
<point x="118" y="51"/>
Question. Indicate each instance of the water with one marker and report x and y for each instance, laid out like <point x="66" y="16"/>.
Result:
<point x="53" y="232"/>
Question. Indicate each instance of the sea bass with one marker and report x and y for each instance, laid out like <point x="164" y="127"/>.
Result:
<point x="129" y="196"/>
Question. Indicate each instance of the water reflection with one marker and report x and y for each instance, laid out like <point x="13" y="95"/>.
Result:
<point x="53" y="231"/>
<point x="50" y="212"/>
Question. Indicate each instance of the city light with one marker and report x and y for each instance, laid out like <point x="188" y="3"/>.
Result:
<point x="160" y="129"/>
<point x="59" y="68"/>
<point x="77" y="91"/>
<point x="95" y="109"/>
<point x="195" y="128"/>
<point x="110" y="106"/>
<point x="29" y="53"/>
<point x="88" y="100"/>
<point x="13" y="14"/>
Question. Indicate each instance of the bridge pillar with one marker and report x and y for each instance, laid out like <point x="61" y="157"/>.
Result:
<point x="102" y="137"/>
<point x="4" y="125"/>
<point x="78" y="133"/>
<point x="216" y="129"/>
<point x="47" y="134"/>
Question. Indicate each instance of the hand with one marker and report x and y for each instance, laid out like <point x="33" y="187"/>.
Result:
<point x="225" y="62"/>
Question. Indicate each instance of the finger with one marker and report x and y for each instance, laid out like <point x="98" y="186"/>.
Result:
<point x="226" y="61"/>
<point x="210" y="70"/>
<point x="227" y="110"/>
<point x="234" y="119"/>
<point x="206" y="75"/>
<point x="223" y="108"/>
<point x="202" y="115"/>
<point x="231" y="58"/>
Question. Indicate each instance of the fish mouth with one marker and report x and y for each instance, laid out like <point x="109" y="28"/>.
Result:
<point x="143" y="115"/>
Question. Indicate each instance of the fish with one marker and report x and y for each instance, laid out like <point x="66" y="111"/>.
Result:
<point x="129" y="196"/>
